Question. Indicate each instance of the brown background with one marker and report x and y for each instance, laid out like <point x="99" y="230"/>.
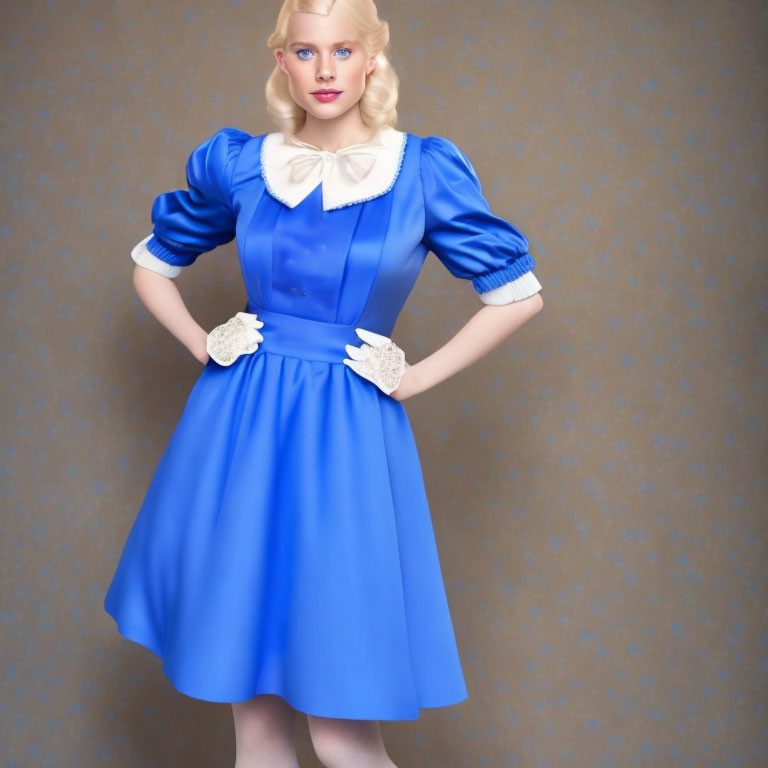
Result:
<point x="597" y="483"/>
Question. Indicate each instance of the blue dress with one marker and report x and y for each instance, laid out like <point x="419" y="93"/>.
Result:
<point x="285" y="543"/>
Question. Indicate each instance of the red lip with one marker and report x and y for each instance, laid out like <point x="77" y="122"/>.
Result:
<point x="326" y="90"/>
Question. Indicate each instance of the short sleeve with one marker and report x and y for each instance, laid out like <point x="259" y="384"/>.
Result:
<point x="460" y="229"/>
<point x="188" y="222"/>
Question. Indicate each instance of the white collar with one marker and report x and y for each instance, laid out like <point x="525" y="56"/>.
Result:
<point x="293" y="168"/>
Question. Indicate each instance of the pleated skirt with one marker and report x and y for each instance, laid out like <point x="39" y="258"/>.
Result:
<point x="285" y="543"/>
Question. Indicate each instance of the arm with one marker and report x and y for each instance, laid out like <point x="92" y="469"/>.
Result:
<point x="187" y="223"/>
<point x="486" y="329"/>
<point x="161" y="297"/>
<point x="474" y="244"/>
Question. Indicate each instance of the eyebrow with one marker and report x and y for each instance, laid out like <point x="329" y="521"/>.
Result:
<point x="311" y="45"/>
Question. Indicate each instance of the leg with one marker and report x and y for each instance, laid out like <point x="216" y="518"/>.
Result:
<point x="264" y="732"/>
<point x="342" y="743"/>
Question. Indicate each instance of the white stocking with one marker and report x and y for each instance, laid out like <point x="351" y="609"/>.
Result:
<point x="264" y="732"/>
<point x="342" y="743"/>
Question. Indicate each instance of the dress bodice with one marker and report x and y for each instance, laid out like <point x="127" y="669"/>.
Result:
<point x="350" y="257"/>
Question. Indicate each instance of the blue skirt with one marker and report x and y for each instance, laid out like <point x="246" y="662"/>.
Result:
<point x="285" y="543"/>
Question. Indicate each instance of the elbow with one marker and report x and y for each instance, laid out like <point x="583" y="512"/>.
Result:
<point x="533" y="303"/>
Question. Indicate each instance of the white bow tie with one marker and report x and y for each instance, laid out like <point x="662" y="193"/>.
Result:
<point x="292" y="168"/>
<point x="355" y="161"/>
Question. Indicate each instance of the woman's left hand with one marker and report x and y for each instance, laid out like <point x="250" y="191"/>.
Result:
<point x="379" y="360"/>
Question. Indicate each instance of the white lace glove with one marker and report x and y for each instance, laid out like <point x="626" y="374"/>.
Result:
<point x="379" y="360"/>
<point x="226" y="342"/>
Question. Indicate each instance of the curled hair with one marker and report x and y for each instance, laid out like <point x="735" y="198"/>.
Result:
<point x="379" y="100"/>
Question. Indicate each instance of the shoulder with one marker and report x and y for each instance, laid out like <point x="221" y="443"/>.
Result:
<point x="229" y="140"/>
<point x="212" y="163"/>
<point x="443" y="161"/>
<point x="219" y="151"/>
<point x="233" y="135"/>
<point x="439" y="155"/>
<point x="439" y="146"/>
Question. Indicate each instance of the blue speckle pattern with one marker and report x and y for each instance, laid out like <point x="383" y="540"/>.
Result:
<point x="598" y="481"/>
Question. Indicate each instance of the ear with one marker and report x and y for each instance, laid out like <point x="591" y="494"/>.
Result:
<point x="280" y="57"/>
<point x="371" y="65"/>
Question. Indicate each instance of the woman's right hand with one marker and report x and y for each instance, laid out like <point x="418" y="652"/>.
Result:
<point x="238" y="336"/>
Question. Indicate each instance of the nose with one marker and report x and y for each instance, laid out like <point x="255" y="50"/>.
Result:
<point x="325" y="70"/>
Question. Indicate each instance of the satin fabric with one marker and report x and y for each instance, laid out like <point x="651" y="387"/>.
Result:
<point x="285" y="543"/>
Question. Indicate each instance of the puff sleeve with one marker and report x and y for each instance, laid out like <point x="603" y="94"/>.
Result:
<point x="188" y="222"/>
<point x="461" y="230"/>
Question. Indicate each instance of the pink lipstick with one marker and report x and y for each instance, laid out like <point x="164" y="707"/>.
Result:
<point x="326" y="94"/>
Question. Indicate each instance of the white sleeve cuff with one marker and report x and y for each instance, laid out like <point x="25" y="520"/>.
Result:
<point x="520" y="288"/>
<point x="145" y="258"/>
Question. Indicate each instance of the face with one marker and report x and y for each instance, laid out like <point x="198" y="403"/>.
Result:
<point x="324" y="53"/>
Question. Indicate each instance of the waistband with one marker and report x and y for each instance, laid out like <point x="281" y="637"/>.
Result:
<point x="302" y="337"/>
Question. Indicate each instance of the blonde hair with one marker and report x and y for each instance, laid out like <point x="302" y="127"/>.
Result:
<point x="379" y="99"/>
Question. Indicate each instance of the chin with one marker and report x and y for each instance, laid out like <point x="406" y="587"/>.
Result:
<point x="327" y="114"/>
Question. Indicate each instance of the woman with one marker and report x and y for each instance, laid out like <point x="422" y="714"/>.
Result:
<point x="284" y="559"/>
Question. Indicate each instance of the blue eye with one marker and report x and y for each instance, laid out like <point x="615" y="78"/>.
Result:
<point x="300" y="51"/>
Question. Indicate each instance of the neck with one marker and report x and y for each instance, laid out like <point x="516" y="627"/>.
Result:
<point x="335" y="133"/>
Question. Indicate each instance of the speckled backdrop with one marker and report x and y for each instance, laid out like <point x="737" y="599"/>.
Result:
<point x="598" y="483"/>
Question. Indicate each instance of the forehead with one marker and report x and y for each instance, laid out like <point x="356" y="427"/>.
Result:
<point x="316" y="28"/>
